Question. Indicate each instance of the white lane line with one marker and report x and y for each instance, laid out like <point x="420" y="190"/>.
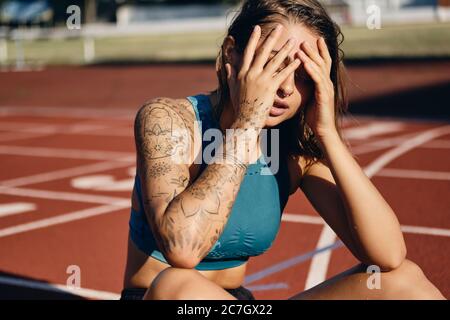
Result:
<point x="317" y="273"/>
<point x="60" y="219"/>
<point x="403" y="148"/>
<point x="13" y="136"/>
<point x="426" y="231"/>
<point x="26" y="131"/>
<point x="67" y="153"/>
<point x="270" y="286"/>
<point x="288" y="263"/>
<point x="9" y="209"/>
<point x="59" y="288"/>
<point x="303" y="218"/>
<point x="102" y="183"/>
<point x="414" y="174"/>
<point x="64" y="173"/>
<point x="372" y="129"/>
<point x="49" y="128"/>
<point x="383" y="144"/>
<point x="69" y="112"/>
<point x="60" y="195"/>
<point x="80" y="129"/>
<point x="321" y="265"/>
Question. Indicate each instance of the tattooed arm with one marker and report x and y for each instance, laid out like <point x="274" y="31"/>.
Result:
<point x="186" y="220"/>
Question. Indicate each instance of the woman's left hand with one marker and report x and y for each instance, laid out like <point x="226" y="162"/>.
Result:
<point x="320" y="111"/>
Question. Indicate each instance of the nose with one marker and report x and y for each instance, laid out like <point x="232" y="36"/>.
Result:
<point x="287" y="86"/>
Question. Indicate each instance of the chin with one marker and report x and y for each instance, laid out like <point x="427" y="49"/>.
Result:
<point x="274" y="121"/>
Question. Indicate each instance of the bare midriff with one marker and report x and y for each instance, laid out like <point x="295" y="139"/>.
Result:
<point x="142" y="269"/>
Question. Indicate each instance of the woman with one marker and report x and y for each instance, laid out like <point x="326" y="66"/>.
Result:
<point x="194" y="224"/>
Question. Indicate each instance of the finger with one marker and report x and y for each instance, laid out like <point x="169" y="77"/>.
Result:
<point x="323" y="50"/>
<point x="314" y="55"/>
<point x="274" y="64"/>
<point x="263" y="52"/>
<point x="311" y="67"/>
<point x="283" y="74"/>
<point x="249" y="51"/>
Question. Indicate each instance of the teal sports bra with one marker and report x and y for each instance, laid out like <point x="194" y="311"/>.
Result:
<point x="255" y="218"/>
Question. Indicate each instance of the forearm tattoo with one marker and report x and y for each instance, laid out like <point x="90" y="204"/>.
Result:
<point x="251" y="113"/>
<point x="182" y="216"/>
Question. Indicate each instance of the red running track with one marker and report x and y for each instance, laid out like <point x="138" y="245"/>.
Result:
<point x="66" y="179"/>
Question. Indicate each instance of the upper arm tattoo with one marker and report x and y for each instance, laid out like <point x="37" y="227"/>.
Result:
<point x="161" y="130"/>
<point x="162" y="138"/>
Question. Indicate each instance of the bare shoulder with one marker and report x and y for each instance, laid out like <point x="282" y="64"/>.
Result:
<point x="176" y="109"/>
<point x="297" y="166"/>
<point x="164" y="130"/>
<point x="319" y="168"/>
<point x="301" y="166"/>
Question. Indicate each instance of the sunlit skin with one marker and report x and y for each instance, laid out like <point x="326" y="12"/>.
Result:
<point x="336" y="186"/>
<point x="298" y="88"/>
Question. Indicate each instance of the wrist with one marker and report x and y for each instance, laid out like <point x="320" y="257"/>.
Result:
<point x="329" y="140"/>
<point x="328" y="136"/>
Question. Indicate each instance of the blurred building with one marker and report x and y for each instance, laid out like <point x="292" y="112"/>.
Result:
<point x="26" y="12"/>
<point x="15" y="13"/>
<point x="399" y="11"/>
<point x="128" y="12"/>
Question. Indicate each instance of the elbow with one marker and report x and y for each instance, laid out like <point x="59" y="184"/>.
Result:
<point x="393" y="260"/>
<point x="178" y="259"/>
<point x="388" y="260"/>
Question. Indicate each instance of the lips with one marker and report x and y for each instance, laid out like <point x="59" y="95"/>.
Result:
<point x="278" y="108"/>
<point x="279" y="104"/>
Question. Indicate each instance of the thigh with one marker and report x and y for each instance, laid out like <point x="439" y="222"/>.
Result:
<point x="185" y="284"/>
<point x="350" y="284"/>
<point x="407" y="281"/>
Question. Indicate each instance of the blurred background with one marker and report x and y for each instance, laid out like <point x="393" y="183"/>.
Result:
<point x="39" y="33"/>
<point x="73" y="73"/>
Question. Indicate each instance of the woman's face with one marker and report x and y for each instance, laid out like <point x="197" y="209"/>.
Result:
<point x="298" y="88"/>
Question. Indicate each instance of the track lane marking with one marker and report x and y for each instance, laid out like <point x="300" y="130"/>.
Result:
<point x="67" y="153"/>
<point x="64" y="173"/>
<point x="60" y="219"/>
<point x="320" y="263"/>
<point x="59" y="288"/>
<point x="9" y="209"/>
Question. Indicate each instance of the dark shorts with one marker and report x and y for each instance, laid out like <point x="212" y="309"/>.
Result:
<point x="240" y="293"/>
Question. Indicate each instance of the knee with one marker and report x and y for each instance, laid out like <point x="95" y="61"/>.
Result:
<point x="169" y="283"/>
<point x="408" y="278"/>
<point x="408" y="271"/>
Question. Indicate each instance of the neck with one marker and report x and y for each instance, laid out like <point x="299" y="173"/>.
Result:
<point x="227" y="117"/>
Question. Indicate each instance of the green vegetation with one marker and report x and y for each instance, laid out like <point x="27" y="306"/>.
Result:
<point x="426" y="40"/>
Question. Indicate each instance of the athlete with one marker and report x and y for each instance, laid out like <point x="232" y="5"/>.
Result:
<point x="195" y="224"/>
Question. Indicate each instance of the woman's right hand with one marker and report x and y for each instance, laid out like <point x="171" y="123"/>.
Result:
<point x="253" y="88"/>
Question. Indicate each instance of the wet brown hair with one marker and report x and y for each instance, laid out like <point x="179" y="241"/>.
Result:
<point x="298" y="138"/>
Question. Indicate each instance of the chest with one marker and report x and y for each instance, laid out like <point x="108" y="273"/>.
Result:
<point x="255" y="217"/>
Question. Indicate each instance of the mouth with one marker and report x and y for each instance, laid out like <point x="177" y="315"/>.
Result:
<point x="278" y="108"/>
